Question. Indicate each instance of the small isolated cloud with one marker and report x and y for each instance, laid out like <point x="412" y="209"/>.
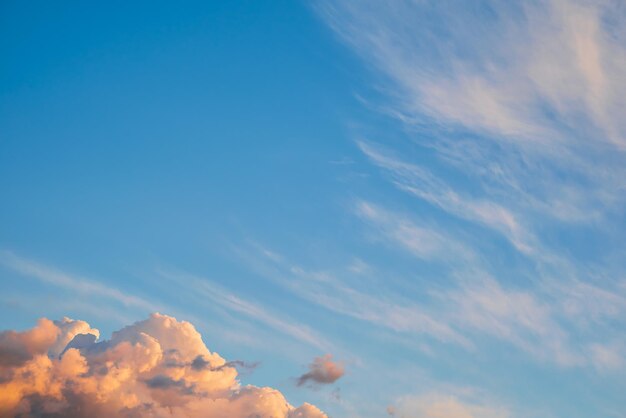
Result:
<point x="159" y="367"/>
<point x="322" y="371"/>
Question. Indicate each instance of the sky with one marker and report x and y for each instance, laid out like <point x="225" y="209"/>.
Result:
<point x="381" y="208"/>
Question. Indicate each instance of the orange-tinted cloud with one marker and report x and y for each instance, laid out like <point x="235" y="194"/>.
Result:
<point x="323" y="370"/>
<point x="155" y="368"/>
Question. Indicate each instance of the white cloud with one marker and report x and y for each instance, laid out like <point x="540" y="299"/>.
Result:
<point x="475" y="305"/>
<point x="206" y="289"/>
<point x="419" y="182"/>
<point x="522" y="71"/>
<point x="387" y="310"/>
<point x="525" y="97"/>
<point x="513" y="315"/>
<point x="517" y="109"/>
<point x="425" y="242"/>
<point x="58" y="278"/>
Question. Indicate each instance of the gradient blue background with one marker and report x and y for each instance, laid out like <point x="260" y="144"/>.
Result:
<point x="143" y="137"/>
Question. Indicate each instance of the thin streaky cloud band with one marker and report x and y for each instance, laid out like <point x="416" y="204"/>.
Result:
<point x="46" y="274"/>
<point x="207" y="289"/>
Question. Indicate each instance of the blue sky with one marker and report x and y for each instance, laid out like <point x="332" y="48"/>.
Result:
<point x="432" y="192"/>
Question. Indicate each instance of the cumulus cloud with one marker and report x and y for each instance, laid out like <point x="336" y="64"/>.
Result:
<point x="157" y="368"/>
<point x="322" y="370"/>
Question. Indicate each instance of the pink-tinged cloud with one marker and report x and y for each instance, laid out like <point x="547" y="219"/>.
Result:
<point x="323" y="370"/>
<point x="438" y="405"/>
<point x="157" y="368"/>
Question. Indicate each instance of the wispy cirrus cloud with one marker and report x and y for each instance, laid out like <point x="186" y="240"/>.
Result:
<point x="522" y="71"/>
<point x="326" y="289"/>
<point x="442" y="405"/>
<point x="517" y="316"/>
<point x="473" y="306"/>
<point x="423" y="184"/>
<point x="524" y="96"/>
<point x="424" y="242"/>
<point x="55" y="277"/>
<point x="206" y="289"/>
<point x="515" y="109"/>
<point x="183" y="283"/>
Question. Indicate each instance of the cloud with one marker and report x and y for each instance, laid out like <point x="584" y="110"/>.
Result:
<point x="422" y="241"/>
<point x="513" y="315"/>
<point x="330" y="291"/>
<point x="234" y="303"/>
<point x="48" y="337"/>
<point x="437" y="405"/>
<point x="524" y="71"/>
<point x="522" y="98"/>
<point x="17" y="348"/>
<point x="512" y="110"/>
<point x="58" y="278"/>
<point x="198" y="288"/>
<point x="159" y="367"/>
<point x="608" y="357"/>
<point x="421" y="183"/>
<point x="323" y="370"/>
<point x="544" y="323"/>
